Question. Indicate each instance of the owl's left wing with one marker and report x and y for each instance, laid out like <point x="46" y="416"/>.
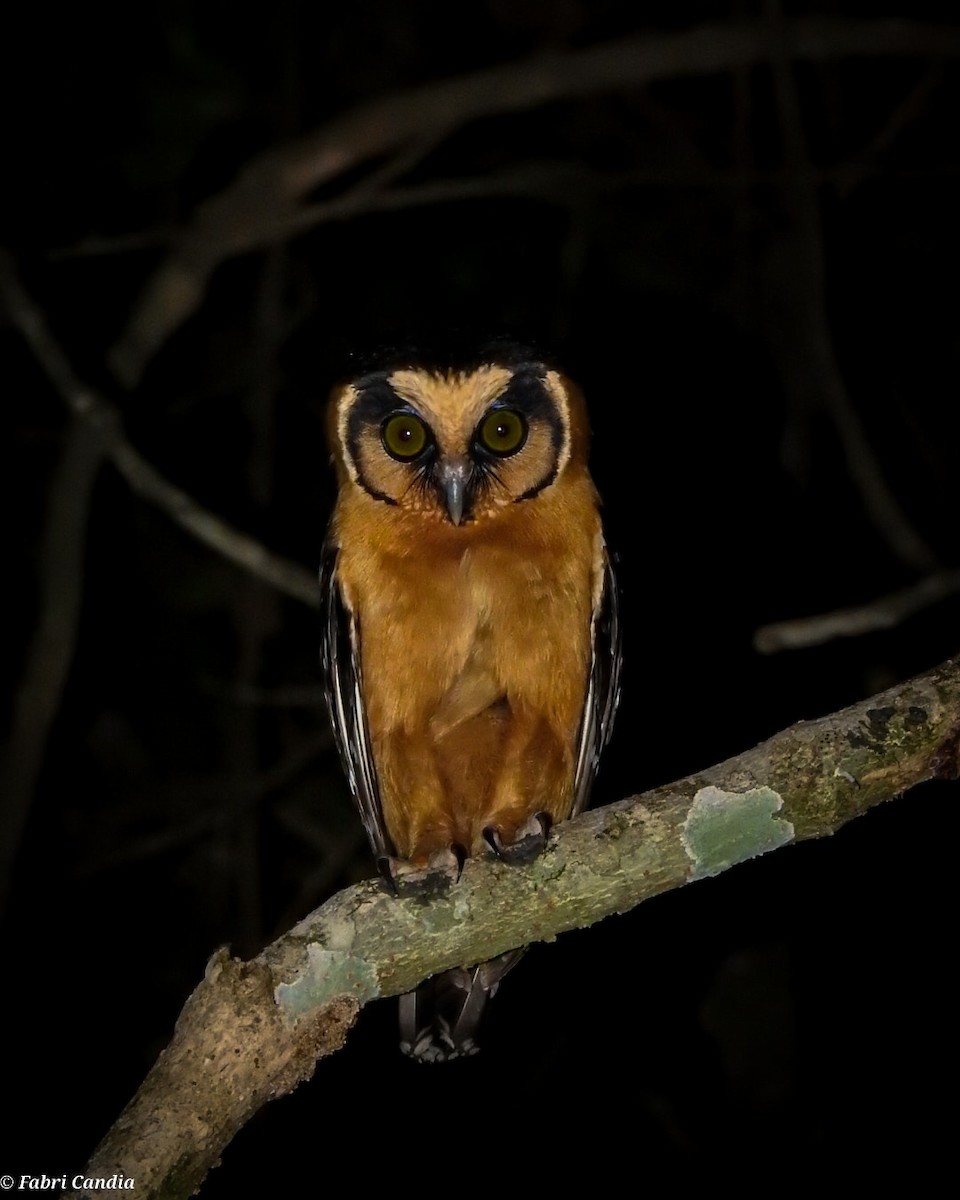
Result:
<point x="343" y="687"/>
<point x="603" y="688"/>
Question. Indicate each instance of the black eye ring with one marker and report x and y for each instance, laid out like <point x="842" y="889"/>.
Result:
<point x="404" y="436"/>
<point x="502" y="432"/>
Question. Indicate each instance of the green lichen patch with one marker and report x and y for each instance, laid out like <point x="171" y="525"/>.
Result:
<point x="723" y="828"/>
<point x="328" y="973"/>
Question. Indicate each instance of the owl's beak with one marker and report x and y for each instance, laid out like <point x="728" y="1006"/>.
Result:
<point x="453" y="479"/>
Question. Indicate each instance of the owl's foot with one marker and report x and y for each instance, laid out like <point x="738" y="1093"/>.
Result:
<point x="529" y="840"/>
<point x="431" y="878"/>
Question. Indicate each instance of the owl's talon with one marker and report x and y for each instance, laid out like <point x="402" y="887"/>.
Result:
<point x="432" y="878"/>
<point x="385" y="866"/>
<point x="529" y="840"/>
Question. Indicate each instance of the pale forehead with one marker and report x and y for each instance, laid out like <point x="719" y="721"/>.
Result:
<point x="451" y="404"/>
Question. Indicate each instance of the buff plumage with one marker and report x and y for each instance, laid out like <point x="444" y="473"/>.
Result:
<point x="471" y="645"/>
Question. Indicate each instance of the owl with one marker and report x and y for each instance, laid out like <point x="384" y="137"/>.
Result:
<point x="471" y="645"/>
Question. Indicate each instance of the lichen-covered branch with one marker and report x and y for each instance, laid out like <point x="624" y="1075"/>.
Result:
<point x="252" y="1031"/>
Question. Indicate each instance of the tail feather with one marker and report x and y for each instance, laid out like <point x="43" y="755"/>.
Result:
<point x="439" y="1021"/>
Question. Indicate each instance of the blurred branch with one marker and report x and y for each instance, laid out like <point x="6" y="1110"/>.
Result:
<point x="334" y="856"/>
<point x="62" y="553"/>
<point x="255" y="616"/>
<point x="297" y="695"/>
<point x="287" y="577"/>
<point x="883" y="613"/>
<point x="811" y="364"/>
<point x="906" y="112"/>
<point x="104" y="423"/>
<point x="253" y="1031"/>
<point x="210" y="796"/>
<point x="260" y="206"/>
<point x="544" y="181"/>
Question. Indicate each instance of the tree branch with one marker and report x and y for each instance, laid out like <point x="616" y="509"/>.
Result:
<point x="61" y="574"/>
<point x="252" y="1031"/>
<point x="105" y="425"/>
<point x="884" y="612"/>
<point x="810" y="369"/>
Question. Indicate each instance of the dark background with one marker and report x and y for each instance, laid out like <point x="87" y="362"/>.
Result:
<point x="752" y="271"/>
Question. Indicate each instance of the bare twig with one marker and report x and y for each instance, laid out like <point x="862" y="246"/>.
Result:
<point x="906" y="112"/>
<point x="287" y="577"/>
<point x="242" y="794"/>
<point x="305" y="695"/>
<point x="334" y="855"/>
<point x="549" y="182"/>
<point x="103" y="419"/>
<point x="254" y="609"/>
<point x="253" y="1031"/>
<point x="61" y="574"/>
<point x="100" y="244"/>
<point x="885" y="612"/>
<point x="816" y="367"/>
<point x="260" y="206"/>
<point x="61" y="583"/>
<point x="743" y="158"/>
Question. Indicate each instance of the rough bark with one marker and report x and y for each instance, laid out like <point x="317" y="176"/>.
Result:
<point x="252" y="1031"/>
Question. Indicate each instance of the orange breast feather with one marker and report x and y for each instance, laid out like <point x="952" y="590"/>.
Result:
<point x="475" y="646"/>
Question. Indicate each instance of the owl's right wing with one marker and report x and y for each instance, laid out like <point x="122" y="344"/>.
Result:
<point x="603" y="687"/>
<point x="343" y="687"/>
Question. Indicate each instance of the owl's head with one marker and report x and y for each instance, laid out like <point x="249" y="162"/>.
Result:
<point x="457" y="444"/>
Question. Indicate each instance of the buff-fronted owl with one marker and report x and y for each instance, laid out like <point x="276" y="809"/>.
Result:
<point x="471" y="644"/>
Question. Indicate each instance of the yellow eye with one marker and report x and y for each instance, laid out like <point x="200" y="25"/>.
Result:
<point x="404" y="436"/>
<point x="503" y="431"/>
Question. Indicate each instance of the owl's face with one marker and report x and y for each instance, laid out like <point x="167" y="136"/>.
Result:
<point x="459" y="446"/>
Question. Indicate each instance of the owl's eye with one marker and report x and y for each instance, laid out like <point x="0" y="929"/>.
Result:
<point x="404" y="436"/>
<point x="502" y="432"/>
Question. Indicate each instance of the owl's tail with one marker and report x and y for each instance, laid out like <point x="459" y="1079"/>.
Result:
<point x="439" y="1021"/>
